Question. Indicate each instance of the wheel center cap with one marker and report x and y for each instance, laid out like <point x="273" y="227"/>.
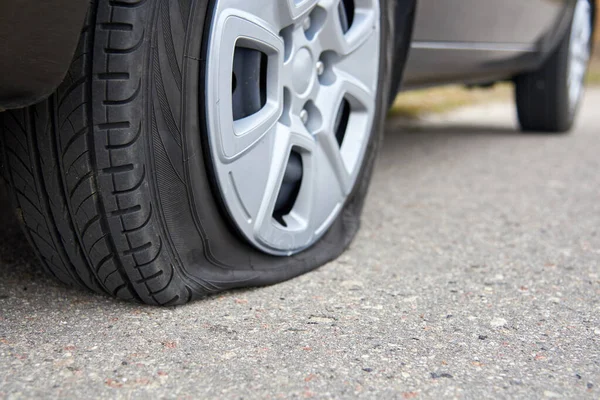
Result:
<point x="303" y="70"/>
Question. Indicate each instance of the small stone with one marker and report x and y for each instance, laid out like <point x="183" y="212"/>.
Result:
<point x="435" y="375"/>
<point x="498" y="322"/>
<point x="552" y="395"/>
<point x="352" y="285"/>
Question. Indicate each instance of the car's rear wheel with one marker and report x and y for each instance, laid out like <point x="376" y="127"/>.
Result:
<point x="203" y="145"/>
<point x="548" y="99"/>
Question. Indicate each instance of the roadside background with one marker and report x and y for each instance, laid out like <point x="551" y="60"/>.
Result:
<point x="414" y="104"/>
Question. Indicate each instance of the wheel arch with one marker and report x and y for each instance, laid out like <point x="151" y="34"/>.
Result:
<point x="404" y="20"/>
<point x="37" y="42"/>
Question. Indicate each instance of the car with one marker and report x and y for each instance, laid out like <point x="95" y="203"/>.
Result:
<point x="160" y="150"/>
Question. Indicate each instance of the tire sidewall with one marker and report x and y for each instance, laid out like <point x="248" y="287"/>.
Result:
<point x="218" y="254"/>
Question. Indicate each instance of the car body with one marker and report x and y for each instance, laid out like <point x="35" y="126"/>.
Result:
<point x="482" y="41"/>
<point x="454" y="41"/>
<point x="37" y="43"/>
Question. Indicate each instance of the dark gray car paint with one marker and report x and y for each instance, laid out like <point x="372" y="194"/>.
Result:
<point x="467" y="41"/>
<point x="472" y="41"/>
<point x="37" y="43"/>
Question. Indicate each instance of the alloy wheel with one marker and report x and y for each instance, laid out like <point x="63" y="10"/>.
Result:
<point x="291" y="90"/>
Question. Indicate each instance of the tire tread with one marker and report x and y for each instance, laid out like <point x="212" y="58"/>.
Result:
<point x="76" y="164"/>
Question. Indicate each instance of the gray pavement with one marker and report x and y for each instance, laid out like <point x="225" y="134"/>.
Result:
<point x="475" y="275"/>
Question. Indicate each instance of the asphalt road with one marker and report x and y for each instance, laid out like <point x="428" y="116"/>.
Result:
<point x="476" y="274"/>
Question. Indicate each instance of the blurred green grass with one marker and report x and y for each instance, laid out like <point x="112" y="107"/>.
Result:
<point x="593" y="78"/>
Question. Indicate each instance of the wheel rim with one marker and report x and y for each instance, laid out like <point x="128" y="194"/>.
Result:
<point x="579" y="51"/>
<point x="291" y="91"/>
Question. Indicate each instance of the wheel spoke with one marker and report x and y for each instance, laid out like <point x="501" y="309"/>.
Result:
<point x="352" y="64"/>
<point x="236" y="137"/>
<point x="332" y="36"/>
<point x="248" y="176"/>
<point x="284" y="141"/>
<point x="332" y="151"/>
<point x="344" y="159"/>
<point x="299" y="8"/>
<point x="328" y="197"/>
<point x="345" y="86"/>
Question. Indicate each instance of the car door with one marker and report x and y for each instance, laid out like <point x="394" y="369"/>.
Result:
<point x="456" y="40"/>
